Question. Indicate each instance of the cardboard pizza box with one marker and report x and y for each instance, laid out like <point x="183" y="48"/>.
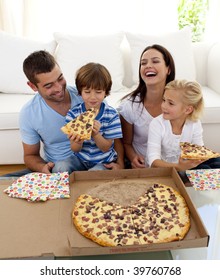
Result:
<point x="28" y="229"/>
<point x="45" y="229"/>
<point x="85" y="181"/>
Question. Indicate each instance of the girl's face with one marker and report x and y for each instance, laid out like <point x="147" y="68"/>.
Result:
<point x="92" y="97"/>
<point x="173" y="107"/>
<point x="153" y="69"/>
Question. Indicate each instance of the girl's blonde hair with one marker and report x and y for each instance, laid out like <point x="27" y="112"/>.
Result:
<point x="191" y="96"/>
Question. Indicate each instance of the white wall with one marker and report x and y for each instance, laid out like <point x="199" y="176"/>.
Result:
<point x="40" y="18"/>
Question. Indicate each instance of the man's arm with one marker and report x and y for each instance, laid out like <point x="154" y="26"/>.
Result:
<point x="34" y="161"/>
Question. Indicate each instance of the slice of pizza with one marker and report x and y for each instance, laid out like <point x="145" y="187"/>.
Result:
<point x="160" y="215"/>
<point x="105" y="223"/>
<point x="82" y="125"/>
<point x="194" y="151"/>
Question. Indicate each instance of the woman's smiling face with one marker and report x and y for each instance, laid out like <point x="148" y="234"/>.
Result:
<point x="153" y="68"/>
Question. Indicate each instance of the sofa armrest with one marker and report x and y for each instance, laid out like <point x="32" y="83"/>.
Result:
<point x="213" y="68"/>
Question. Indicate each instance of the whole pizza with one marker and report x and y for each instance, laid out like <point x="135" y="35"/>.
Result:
<point x="159" y="215"/>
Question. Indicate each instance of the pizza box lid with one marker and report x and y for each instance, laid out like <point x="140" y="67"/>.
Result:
<point x="45" y="229"/>
<point x="85" y="181"/>
<point x="29" y="229"/>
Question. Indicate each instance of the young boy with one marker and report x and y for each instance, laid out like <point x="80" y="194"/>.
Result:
<point x="93" y="82"/>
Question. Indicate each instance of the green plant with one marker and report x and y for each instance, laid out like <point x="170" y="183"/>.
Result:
<point x="193" y="13"/>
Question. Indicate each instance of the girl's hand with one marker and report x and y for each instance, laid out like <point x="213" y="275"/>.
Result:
<point x="185" y="164"/>
<point x="96" y="128"/>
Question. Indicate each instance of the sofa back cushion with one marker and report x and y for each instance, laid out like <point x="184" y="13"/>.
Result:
<point x="74" y="51"/>
<point x="14" y="50"/>
<point x="178" y="44"/>
<point x="213" y="68"/>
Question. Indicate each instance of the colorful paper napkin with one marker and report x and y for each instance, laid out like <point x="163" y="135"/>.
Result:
<point x="40" y="186"/>
<point x="204" y="179"/>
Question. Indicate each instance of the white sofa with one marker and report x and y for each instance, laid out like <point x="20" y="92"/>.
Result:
<point x="120" y="53"/>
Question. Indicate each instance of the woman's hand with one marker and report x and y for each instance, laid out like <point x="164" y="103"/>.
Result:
<point x="138" y="162"/>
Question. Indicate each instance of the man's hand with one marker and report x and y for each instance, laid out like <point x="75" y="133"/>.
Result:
<point x="47" y="168"/>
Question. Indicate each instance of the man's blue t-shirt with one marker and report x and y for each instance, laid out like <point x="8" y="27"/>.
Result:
<point x="39" y="122"/>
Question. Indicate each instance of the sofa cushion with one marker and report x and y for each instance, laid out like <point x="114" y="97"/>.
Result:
<point x="14" y="50"/>
<point x="178" y="44"/>
<point x="10" y="106"/>
<point x="213" y="68"/>
<point x="74" y="51"/>
<point x="212" y="106"/>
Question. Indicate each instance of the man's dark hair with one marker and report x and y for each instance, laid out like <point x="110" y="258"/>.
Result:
<point x="36" y="63"/>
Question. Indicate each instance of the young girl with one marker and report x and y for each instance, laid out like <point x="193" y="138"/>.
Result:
<point x="93" y="82"/>
<point x="179" y="122"/>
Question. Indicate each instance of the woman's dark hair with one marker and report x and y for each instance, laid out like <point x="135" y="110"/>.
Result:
<point x="141" y="88"/>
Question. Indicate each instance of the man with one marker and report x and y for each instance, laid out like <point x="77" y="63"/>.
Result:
<point x="43" y="116"/>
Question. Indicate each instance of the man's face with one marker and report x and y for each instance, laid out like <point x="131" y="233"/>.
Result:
<point x="51" y="86"/>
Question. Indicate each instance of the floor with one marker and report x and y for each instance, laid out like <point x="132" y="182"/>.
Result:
<point x="4" y="169"/>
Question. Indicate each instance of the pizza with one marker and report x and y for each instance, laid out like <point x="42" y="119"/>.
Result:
<point x="159" y="215"/>
<point x="194" y="151"/>
<point x="81" y="125"/>
<point x="107" y="224"/>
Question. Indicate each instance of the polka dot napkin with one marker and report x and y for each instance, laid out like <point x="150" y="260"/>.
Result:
<point x="40" y="186"/>
<point x="204" y="179"/>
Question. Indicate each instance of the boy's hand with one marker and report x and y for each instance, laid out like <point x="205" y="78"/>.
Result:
<point x="113" y="166"/>
<point x="75" y="138"/>
<point x="96" y="128"/>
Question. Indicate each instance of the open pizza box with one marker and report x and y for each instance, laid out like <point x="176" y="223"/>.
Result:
<point x="29" y="229"/>
<point x="45" y="229"/>
<point x="85" y="181"/>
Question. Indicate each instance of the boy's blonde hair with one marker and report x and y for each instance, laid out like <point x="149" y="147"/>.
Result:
<point x="191" y="96"/>
<point x="95" y="76"/>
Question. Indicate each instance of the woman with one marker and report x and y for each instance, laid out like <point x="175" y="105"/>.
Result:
<point x="138" y="108"/>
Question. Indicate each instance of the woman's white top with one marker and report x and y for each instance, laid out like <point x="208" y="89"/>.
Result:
<point x="136" y="114"/>
<point x="164" y="145"/>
